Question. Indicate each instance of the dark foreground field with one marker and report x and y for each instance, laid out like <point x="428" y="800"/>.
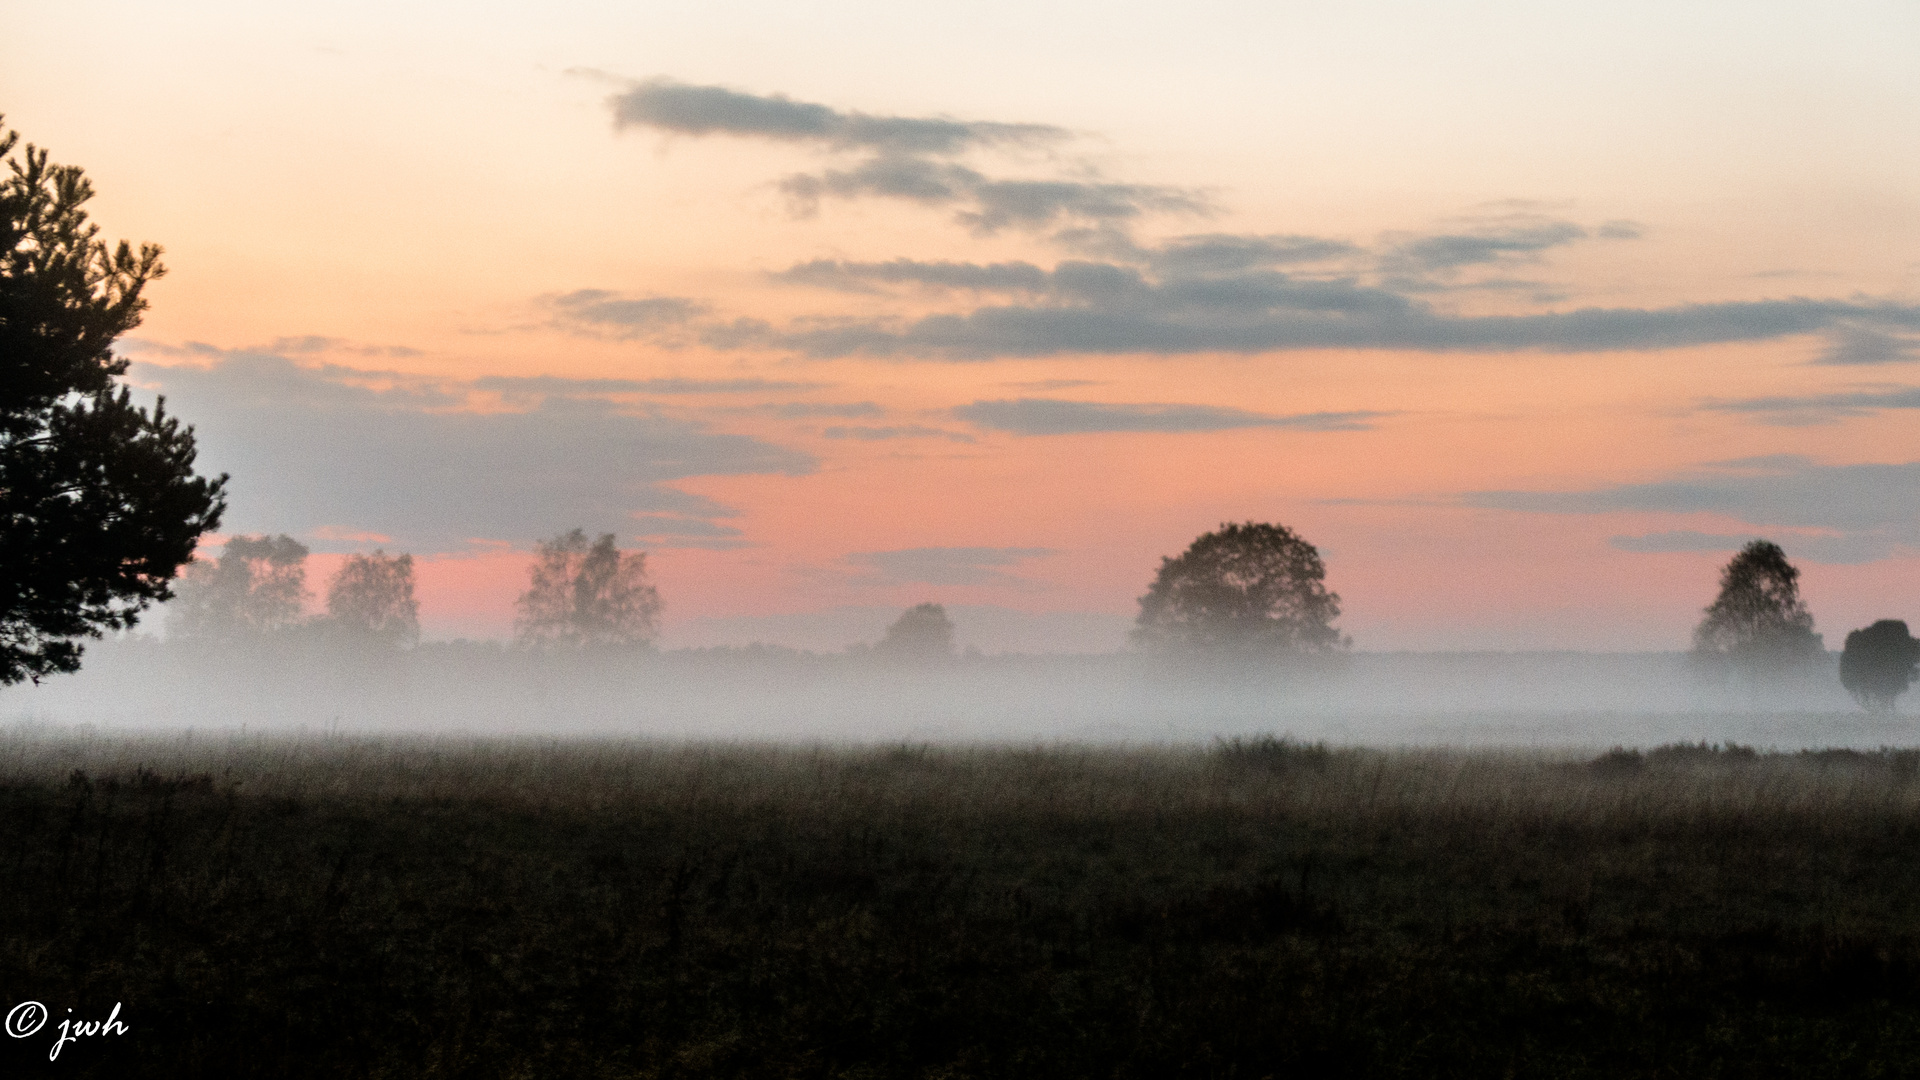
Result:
<point x="357" y="908"/>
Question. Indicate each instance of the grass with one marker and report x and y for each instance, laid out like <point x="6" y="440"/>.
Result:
<point x="353" y="907"/>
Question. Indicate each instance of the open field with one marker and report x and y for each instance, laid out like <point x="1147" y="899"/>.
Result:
<point x="361" y="907"/>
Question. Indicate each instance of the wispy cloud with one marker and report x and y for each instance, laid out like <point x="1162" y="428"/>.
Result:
<point x="1047" y="416"/>
<point x="610" y="314"/>
<point x="1227" y="253"/>
<point x="902" y="157"/>
<point x="681" y="109"/>
<point x="557" y="385"/>
<point x="1809" y="409"/>
<point x="1110" y="310"/>
<point x="1850" y="344"/>
<point x="303" y="344"/>
<point x="841" y="410"/>
<point x="1680" y="540"/>
<point x="947" y="565"/>
<point x="864" y="277"/>
<point x="1207" y="292"/>
<point x="1838" y="550"/>
<point x="988" y="205"/>
<point x="327" y="452"/>
<point x="1502" y="240"/>
<point x="683" y="531"/>
<point x="900" y="431"/>
<point x="1857" y="513"/>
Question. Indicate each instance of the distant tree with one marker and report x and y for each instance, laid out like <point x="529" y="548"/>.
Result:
<point x="99" y="504"/>
<point x="1758" y="623"/>
<point x="1879" y="663"/>
<point x="587" y="594"/>
<point x="922" y="632"/>
<point x="257" y="586"/>
<point x="1252" y="589"/>
<point x="371" y="600"/>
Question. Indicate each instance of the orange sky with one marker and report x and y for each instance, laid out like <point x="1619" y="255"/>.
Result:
<point x="1263" y="262"/>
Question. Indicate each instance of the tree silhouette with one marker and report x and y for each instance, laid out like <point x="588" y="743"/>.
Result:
<point x="1758" y="623"/>
<point x="257" y="586"/>
<point x="99" y="504"/>
<point x="587" y="595"/>
<point x="922" y="632"/>
<point x="1879" y="663"/>
<point x="371" y="600"/>
<point x="1253" y="589"/>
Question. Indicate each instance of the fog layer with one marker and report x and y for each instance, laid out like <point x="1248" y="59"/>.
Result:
<point x="766" y="694"/>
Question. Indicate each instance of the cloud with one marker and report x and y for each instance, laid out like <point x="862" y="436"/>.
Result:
<point x="1500" y="241"/>
<point x="1033" y="203"/>
<point x="1850" y="344"/>
<point x="1112" y="310"/>
<point x="1222" y="293"/>
<point x="1053" y="384"/>
<point x="1809" y="409"/>
<point x="680" y="109"/>
<point x="1201" y="261"/>
<point x="905" y="431"/>
<point x="314" y="448"/>
<point x="1832" y="550"/>
<point x="1018" y="277"/>
<point x="1223" y="253"/>
<point x="904" y="157"/>
<point x="553" y="384"/>
<point x="947" y="565"/>
<point x="990" y="205"/>
<point x="1194" y="293"/>
<point x="1078" y="283"/>
<point x="680" y="531"/>
<point x="1046" y="416"/>
<point x="349" y="536"/>
<point x="610" y="314"/>
<point x="1861" y="512"/>
<point x="316" y="343"/>
<point x="843" y="410"/>
<point x="1681" y="540"/>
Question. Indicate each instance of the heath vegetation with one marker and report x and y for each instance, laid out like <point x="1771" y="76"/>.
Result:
<point x="343" y="907"/>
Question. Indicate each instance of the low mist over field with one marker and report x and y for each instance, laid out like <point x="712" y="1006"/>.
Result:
<point x="1544" y="699"/>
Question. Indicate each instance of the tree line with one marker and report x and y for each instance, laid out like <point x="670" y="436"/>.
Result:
<point x="101" y="509"/>
<point x="583" y="595"/>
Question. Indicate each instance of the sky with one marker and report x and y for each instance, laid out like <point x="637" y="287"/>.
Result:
<point x="1525" y="315"/>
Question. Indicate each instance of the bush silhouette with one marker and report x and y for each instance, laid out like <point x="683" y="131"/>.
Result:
<point x="922" y="632"/>
<point x="1878" y="664"/>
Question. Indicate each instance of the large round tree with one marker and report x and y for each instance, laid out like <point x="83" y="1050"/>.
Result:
<point x="99" y="504"/>
<point x="1250" y="589"/>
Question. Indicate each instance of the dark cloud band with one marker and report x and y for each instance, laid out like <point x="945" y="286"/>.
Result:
<point x="1275" y="314"/>
<point x="1047" y="416"/>
<point x="946" y="565"/>
<point x="677" y="108"/>
<point x="316" y="447"/>
<point x="1856" y="513"/>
